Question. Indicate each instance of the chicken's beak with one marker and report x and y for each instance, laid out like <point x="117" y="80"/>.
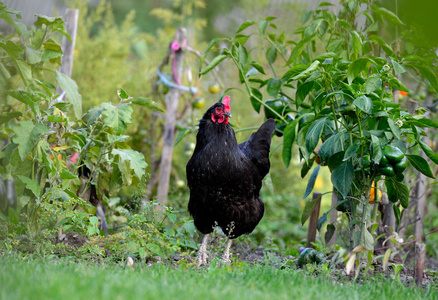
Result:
<point x="227" y="114"/>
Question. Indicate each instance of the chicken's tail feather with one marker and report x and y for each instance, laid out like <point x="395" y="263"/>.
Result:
<point x="256" y="148"/>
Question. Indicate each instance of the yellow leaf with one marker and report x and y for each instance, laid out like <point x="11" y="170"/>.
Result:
<point x="64" y="147"/>
<point x="386" y="259"/>
<point x="350" y="263"/>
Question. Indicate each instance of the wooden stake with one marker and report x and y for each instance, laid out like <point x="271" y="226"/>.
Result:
<point x="420" y="253"/>
<point x="313" y="221"/>
<point x="169" y="128"/>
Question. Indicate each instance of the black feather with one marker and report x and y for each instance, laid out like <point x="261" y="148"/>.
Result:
<point x="225" y="178"/>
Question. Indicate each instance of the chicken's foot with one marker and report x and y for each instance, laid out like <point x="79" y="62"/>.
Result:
<point x="226" y="256"/>
<point x="202" y="254"/>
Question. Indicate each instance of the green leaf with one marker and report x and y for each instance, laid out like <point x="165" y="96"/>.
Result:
<point x="307" y="165"/>
<point x="122" y="94"/>
<point x="240" y="54"/>
<point x="397" y="213"/>
<point x="154" y="248"/>
<point x="373" y="83"/>
<point x="274" y="86"/>
<point x="27" y="98"/>
<point x="335" y="45"/>
<point x="420" y="164"/>
<point x="258" y="67"/>
<point x="31" y="185"/>
<point x="297" y="69"/>
<point x="332" y="145"/>
<point x="355" y="68"/>
<point x="388" y="15"/>
<point x="336" y="160"/>
<point x="147" y="102"/>
<point x="342" y="178"/>
<point x="245" y="25"/>
<point x="117" y="116"/>
<point x="311" y="182"/>
<point x="429" y="152"/>
<point x="324" y="3"/>
<point x="217" y="60"/>
<point x="50" y="54"/>
<point x="171" y="216"/>
<point x="428" y="74"/>
<point x="271" y="54"/>
<point x="303" y="89"/>
<point x="364" y="104"/>
<point x="386" y="48"/>
<point x="397" y="191"/>
<point x="317" y="26"/>
<point x="12" y="49"/>
<point x="204" y="55"/>
<point x="93" y="114"/>
<point x="47" y="20"/>
<point x="4" y="118"/>
<point x="322" y="220"/>
<point x="26" y="136"/>
<point x="394" y="128"/>
<point x="373" y="27"/>
<point x="306" y="15"/>
<point x="377" y="149"/>
<point x="352" y="150"/>
<point x="33" y="56"/>
<point x="356" y="43"/>
<point x="25" y="71"/>
<point x="93" y="220"/>
<point x="55" y="118"/>
<point x="289" y="134"/>
<point x="331" y="229"/>
<point x="424" y="122"/>
<point x="262" y="26"/>
<point x="181" y="135"/>
<point x="314" y="134"/>
<point x="396" y="84"/>
<point x="415" y="58"/>
<point x="398" y="68"/>
<point x="70" y="88"/>
<point x="385" y="259"/>
<point x="135" y="159"/>
<point x="65" y="174"/>
<point x="310" y="204"/>
<point x="299" y="48"/>
<point x="307" y="71"/>
<point x="256" y="104"/>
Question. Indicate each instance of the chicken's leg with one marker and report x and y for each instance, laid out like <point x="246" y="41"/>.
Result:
<point x="226" y="256"/>
<point x="202" y="254"/>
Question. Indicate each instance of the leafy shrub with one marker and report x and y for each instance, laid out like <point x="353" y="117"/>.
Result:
<point x="343" y="101"/>
<point x="42" y="132"/>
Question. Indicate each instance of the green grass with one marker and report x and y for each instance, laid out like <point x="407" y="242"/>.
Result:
<point x="24" y="279"/>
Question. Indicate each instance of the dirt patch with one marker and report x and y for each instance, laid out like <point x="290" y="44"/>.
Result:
<point x="73" y="239"/>
<point x="261" y="255"/>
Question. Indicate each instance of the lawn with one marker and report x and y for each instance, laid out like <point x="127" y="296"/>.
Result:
<point x="46" y="279"/>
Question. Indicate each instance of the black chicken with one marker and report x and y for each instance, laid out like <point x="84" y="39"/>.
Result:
<point x="225" y="177"/>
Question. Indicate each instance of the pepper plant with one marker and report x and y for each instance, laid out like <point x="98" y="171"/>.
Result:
<point x="338" y="81"/>
<point x="46" y="140"/>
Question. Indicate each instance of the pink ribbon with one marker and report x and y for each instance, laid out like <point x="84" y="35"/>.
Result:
<point x="175" y="46"/>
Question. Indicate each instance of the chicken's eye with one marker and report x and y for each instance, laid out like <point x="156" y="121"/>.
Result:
<point x="219" y="110"/>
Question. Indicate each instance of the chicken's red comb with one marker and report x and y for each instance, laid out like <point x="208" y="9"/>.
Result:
<point x="226" y="102"/>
